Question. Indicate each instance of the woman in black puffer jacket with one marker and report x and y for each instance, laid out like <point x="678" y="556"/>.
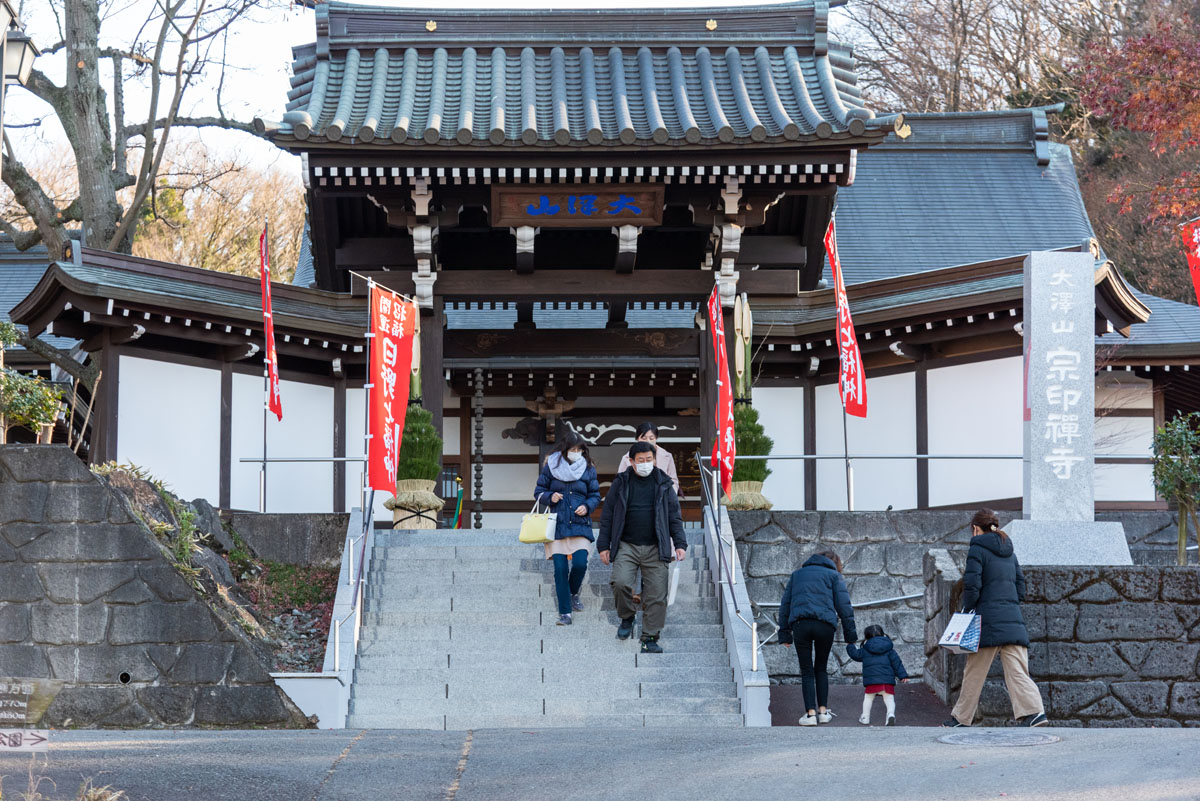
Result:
<point x="815" y="598"/>
<point x="993" y="588"/>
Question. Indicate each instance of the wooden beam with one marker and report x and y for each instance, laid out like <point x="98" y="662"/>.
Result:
<point x="583" y="285"/>
<point x="433" y="334"/>
<point x="773" y="251"/>
<point x="571" y="343"/>
<point x="376" y="252"/>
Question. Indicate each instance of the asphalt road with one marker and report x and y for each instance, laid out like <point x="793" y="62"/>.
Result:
<point x="824" y="764"/>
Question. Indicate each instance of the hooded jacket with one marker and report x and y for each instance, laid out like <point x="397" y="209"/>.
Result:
<point x="881" y="663"/>
<point x="668" y="521"/>
<point x="994" y="587"/>
<point x="816" y="591"/>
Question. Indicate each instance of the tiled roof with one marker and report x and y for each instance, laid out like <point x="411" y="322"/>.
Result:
<point x="1171" y="323"/>
<point x="19" y="273"/>
<point x="306" y="271"/>
<point x="962" y="189"/>
<point x="574" y="78"/>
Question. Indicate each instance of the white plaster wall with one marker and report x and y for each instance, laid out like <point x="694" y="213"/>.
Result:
<point x="975" y="408"/>
<point x="169" y="422"/>
<point x="306" y="430"/>
<point x="1122" y="390"/>
<point x="450" y="434"/>
<point x="890" y="427"/>
<point x="355" y="446"/>
<point x="509" y="482"/>
<point x="781" y="412"/>
<point x="1124" y="436"/>
<point x="494" y="441"/>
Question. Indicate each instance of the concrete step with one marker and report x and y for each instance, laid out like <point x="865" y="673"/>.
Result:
<point x="465" y="692"/>
<point x="381" y="587"/>
<point x="517" y="553"/>
<point x="462" y="722"/>
<point x="382" y="656"/>
<point x="544" y="612"/>
<point x="657" y="706"/>
<point x="402" y="705"/>
<point x="474" y="538"/>
<point x="407" y="572"/>
<point x="382" y="625"/>
<point x="537" y="602"/>
<point x="374" y="674"/>
<point x="525" y="649"/>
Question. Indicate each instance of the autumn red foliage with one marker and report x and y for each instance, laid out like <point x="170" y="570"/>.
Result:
<point x="1150" y="84"/>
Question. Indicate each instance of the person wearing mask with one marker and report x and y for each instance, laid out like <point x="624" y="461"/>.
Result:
<point x="664" y="461"/>
<point x="993" y="588"/>
<point x="815" y="598"/>
<point x="569" y="485"/>
<point x="641" y="529"/>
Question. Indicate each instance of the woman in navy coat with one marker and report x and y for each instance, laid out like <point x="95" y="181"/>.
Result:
<point x="569" y="485"/>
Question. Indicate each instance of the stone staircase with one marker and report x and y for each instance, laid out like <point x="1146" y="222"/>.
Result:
<point x="458" y="632"/>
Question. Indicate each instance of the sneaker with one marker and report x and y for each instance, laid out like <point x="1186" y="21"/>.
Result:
<point x="891" y="721"/>
<point x="651" y="646"/>
<point x="808" y="720"/>
<point x="952" y="723"/>
<point x="625" y="630"/>
<point x="864" y="720"/>
<point x="1038" y="719"/>
<point x="576" y="604"/>
<point x="564" y="620"/>
<point x="824" y="717"/>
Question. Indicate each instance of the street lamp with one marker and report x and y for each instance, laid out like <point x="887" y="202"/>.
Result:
<point x="19" y="53"/>
<point x="7" y="15"/>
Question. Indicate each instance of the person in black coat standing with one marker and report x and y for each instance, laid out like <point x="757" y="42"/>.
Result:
<point x="815" y="598"/>
<point x="993" y="588"/>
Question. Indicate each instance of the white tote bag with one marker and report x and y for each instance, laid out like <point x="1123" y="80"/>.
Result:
<point x="962" y="634"/>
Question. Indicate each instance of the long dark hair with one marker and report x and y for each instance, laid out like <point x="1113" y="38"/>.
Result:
<point x="573" y="440"/>
<point x="645" y="428"/>
<point x="987" y="521"/>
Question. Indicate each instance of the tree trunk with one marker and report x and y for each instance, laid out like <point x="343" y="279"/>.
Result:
<point x="91" y="142"/>
<point x="1183" y="518"/>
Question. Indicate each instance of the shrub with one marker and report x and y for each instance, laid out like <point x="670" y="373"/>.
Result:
<point x="421" y="449"/>
<point x="751" y="440"/>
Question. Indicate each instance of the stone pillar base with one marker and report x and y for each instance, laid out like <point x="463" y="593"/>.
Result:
<point x="1067" y="542"/>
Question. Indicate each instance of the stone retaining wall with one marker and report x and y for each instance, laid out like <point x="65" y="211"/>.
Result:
<point x="311" y="540"/>
<point x="883" y="553"/>
<point x="89" y="596"/>
<point x="1109" y="646"/>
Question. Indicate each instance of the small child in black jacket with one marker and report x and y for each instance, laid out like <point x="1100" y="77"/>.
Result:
<point x="881" y="668"/>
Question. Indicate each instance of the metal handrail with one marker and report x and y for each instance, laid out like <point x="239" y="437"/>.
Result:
<point x="727" y="567"/>
<point x="356" y="599"/>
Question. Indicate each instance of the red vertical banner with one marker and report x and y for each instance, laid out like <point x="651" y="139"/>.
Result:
<point x="1191" y="245"/>
<point x="274" y="402"/>
<point x="724" y="444"/>
<point x="393" y="320"/>
<point x="852" y="381"/>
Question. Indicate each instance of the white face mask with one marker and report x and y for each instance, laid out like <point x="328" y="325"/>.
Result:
<point x="644" y="468"/>
<point x="574" y="456"/>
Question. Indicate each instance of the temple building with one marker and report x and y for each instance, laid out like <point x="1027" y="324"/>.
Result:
<point x="560" y="191"/>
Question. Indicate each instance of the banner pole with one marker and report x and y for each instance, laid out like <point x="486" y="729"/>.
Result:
<point x="262" y="474"/>
<point x="849" y="469"/>
<point x="362" y="490"/>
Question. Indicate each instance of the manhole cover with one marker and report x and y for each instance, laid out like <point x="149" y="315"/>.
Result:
<point x="999" y="739"/>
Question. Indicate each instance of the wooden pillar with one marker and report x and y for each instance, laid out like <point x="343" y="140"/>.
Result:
<point x="708" y="389"/>
<point x="921" y="383"/>
<point x="225" y="484"/>
<point x="433" y="334"/>
<point x="339" y="443"/>
<point x="810" y="444"/>
<point x="105" y="441"/>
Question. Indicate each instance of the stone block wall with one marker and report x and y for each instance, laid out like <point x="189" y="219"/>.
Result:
<point x="1109" y="646"/>
<point x="883" y="553"/>
<point x="89" y="596"/>
<point x="943" y="670"/>
<point x="294" y="539"/>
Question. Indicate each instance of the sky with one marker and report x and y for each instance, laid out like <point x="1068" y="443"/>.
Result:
<point x="259" y="50"/>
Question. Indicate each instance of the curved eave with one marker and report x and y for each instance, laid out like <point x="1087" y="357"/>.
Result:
<point x="39" y="299"/>
<point x="1116" y="301"/>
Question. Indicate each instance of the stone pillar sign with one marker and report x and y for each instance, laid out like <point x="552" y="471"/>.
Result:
<point x="1060" y="363"/>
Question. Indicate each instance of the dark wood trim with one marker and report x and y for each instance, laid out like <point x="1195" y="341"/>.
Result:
<point x="584" y="285"/>
<point x="562" y="346"/>
<point x="251" y="368"/>
<point x="110" y="359"/>
<point x="921" y="390"/>
<point x="339" y="444"/>
<point x="810" y="444"/>
<point x="511" y="458"/>
<point x="466" y="452"/>
<point x="1111" y="412"/>
<point x="225" y="483"/>
<point x="1131" y="506"/>
<point x="433" y="336"/>
<point x="507" y="200"/>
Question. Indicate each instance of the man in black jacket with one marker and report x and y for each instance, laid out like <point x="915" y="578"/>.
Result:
<point x="641" y="528"/>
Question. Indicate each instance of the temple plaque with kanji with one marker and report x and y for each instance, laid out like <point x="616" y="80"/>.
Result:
<point x="577" y="205"/>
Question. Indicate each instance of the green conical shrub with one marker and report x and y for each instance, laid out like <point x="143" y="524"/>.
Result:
<point x="751" y="440"/>
<point x="421" y="448"/>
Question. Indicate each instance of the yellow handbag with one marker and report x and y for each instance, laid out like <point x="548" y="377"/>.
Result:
<point x="537" y="526"/>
